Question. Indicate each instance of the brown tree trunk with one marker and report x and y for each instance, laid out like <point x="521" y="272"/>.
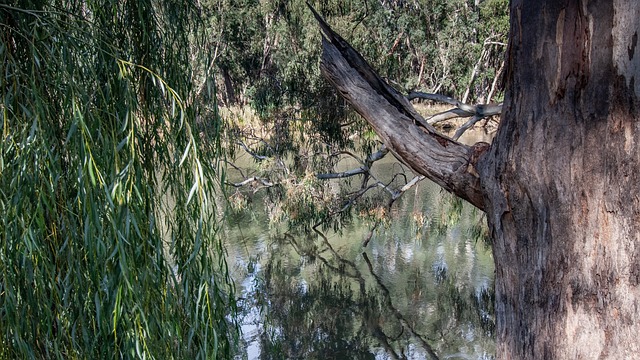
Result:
<point x="228" y="86"/>
<point x="562" y="181"/>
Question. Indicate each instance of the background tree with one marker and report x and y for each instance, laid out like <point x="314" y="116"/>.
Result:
<point x="108" y="224"/>
<point x="556" y="183"/>
<point x="304" y="127"/>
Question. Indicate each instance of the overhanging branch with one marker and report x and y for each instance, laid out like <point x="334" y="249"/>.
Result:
<point x="405" y="133"/>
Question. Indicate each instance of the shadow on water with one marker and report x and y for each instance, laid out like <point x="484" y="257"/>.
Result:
<point x="421" y="289"/>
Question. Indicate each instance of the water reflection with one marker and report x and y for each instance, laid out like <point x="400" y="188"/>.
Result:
<point x="420" y="289"/>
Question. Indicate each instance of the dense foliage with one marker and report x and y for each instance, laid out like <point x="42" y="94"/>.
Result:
<point x="268" y="50"/>
<point x="108" y="222"/>
<point x="268" y="53"/>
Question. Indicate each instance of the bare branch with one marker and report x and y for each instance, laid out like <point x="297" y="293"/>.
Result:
<point x="262" y="181"/>
<point x="411" y="183"/>
<point x="466" y="126"/>
<point x="344" y="174"/>
<point x="494" y="84"/>
<point x="358" y="171"/>
<point x="446" y="115"/>
<point x="478" y="111"/>
<point x="250" y="152"/>
<point x="395" y="194"/>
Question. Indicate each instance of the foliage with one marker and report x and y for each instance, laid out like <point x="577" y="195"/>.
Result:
<point x="268" y="54"/>
<point x="270" y="49"/>
<point x="108" y="225"/>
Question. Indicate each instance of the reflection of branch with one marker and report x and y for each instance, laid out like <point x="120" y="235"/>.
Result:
<point x="357" y="275"/>
<point x="370" y="234"/>
<point x="377" y="331"/>
<point x="396" y="312"/>
<point x="346" y="263"/>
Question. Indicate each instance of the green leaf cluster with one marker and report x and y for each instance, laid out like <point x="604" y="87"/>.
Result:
<point x="269" y="51"/>
<point x="108" y="245"/>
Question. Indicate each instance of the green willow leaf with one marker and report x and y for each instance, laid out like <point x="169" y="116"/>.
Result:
<point x="103" y="253"/>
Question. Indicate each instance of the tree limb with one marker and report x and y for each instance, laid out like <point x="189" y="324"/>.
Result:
<point x="478" y="111"/>
<point x="344" y="174"/>
<point x="262" y="181"/>
<point x="358" y="171"/>
<point x="401" y="128"/>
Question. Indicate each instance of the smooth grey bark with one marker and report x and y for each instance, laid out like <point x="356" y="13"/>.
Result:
<point x="560" y="182"/>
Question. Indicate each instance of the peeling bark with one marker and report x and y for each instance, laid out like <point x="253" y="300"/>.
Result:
<point x="560" y="180"/>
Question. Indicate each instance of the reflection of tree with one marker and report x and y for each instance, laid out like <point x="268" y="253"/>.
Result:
<point x="396" y="312"/>
<point x="314" y="322"/>
<point x="344" y="310"/>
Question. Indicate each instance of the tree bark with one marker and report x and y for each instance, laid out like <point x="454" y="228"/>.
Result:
<point x="404" y="132"/>
<point x="560" y="182"/>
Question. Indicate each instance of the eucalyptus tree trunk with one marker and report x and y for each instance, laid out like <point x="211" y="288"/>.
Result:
<point x="560" y="182"/>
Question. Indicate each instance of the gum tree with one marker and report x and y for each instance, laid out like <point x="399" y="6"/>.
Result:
<point x="558" y="183"/>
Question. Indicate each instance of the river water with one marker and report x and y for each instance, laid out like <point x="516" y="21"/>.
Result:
<point x="421" y="288"/>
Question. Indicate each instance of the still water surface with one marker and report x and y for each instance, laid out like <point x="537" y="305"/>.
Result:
<point x="420" y="289"/>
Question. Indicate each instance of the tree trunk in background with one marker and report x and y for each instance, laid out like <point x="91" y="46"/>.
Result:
<point x="562" y="183"/>
<point x="228" y="87"/>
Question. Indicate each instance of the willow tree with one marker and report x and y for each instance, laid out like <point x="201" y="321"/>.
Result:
<point x="107" y="224"/>
<point x="559" y="183"/>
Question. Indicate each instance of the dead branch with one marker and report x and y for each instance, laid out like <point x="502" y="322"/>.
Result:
<point x="399" y="126"/>
<point x="364" y="169"/>
<point x="461" y="110"/>
<point x="250" y="152"/>
<point x="264" y="182"/>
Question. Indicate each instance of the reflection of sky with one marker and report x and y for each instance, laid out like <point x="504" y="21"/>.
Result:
<point x="405" y="262"/>
<point x="251" y="323"/>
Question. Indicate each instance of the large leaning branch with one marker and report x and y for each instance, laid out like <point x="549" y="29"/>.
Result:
<point x="405" y="133"/>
